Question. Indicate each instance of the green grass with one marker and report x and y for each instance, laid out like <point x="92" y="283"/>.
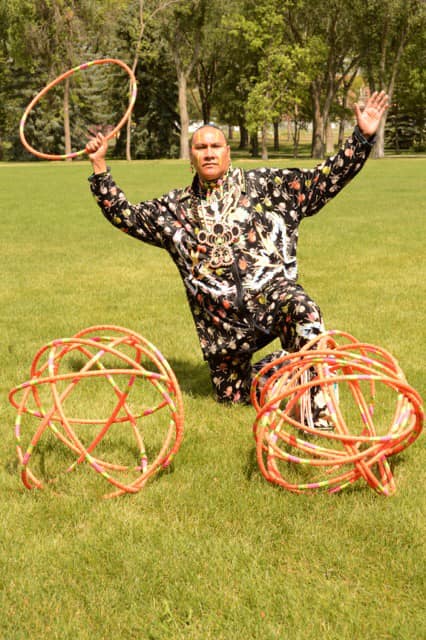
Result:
<point x="208" y="550"/>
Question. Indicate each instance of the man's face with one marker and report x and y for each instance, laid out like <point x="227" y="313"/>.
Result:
<point x="210" y="155"/>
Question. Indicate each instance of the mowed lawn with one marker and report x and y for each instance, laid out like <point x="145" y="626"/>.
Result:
<point x="207" y="550"/>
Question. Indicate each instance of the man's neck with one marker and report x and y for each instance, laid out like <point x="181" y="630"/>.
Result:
<point x="211" y="185"/>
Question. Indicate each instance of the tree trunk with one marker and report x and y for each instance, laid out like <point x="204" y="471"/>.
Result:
<point x="254" y="144"/>
<point x="347" y="84"/>
<point x="378" y="150"/>
<point x="183" y="73"/>
<point x="184" y="117"/>
<point x="327" y="90"/>
<point x="341" y="136"/>
<point x="134" y="65"/>
<point x="317" y="138"/>
<point x="129" y="139"/>
<point x="142" y="22"/>
<point x="276" y="135"/>
<point x="329" y="149"/>
<point x="67" y="130"/>
<point x="288" y="123"/>
<point x="206" y="111"/>
<point x="296" y="138"/>
<point x="317" y="127"/>
<point x="244" y="136"/>
<point x="264" y="141"/>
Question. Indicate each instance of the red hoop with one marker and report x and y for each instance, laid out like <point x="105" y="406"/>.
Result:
<point x="70" y="72"/>
<point x="135" y="360"/>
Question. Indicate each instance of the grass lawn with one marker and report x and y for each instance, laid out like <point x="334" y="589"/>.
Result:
<point x="207" y="550"/>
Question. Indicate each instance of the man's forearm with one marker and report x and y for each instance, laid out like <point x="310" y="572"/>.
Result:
<point x="99" y="165"/>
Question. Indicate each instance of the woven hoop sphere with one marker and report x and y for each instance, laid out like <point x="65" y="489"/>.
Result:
<point x="371" y="409"/>
<point x="104" y="370"/>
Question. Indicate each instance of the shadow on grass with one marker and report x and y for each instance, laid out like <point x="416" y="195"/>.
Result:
<point x="193" y="378"/>
<point x="251" y="468"/>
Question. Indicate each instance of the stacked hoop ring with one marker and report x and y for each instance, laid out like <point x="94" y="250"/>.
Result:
<point x="300" y="458"/>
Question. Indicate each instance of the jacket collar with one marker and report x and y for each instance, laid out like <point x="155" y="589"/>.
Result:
<point x="234" y="176"/>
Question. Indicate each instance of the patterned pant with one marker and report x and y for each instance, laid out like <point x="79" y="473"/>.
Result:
<point x="292" y="317"/>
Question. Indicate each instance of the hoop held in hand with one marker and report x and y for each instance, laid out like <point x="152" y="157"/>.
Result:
<point x="67" y="74"/>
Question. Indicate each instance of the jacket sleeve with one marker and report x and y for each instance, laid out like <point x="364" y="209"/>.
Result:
<point x="311" y="189"/>
<point x="144" y="221"/>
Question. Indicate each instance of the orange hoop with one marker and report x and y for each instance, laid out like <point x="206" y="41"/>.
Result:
<point x="354" y="448"/>
<point x="70" y="72"/>
<point x="137" y="360"/>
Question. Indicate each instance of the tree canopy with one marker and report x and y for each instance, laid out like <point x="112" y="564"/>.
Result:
<point x="246" y="64"/>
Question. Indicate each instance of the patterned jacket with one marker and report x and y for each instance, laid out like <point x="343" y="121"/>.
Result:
<point x="232" y="246"/>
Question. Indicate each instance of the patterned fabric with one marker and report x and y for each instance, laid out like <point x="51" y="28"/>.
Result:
<point x="291" y="316"/>
<point x="235" y="248"/>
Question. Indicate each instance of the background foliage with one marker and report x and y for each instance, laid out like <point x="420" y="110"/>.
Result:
<point x="249" y="64"/>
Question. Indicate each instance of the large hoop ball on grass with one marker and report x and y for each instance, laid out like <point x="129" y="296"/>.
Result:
<point x="373" y="412"/>
<point x="104" y="394"/>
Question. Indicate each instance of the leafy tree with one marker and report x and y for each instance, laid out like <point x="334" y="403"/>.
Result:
<point x="386" y="30"/>
<point x="406" y="123"/>
<point x="49" y="33"/>
<point x="139" y="15"/>
<point x="246" y="62"/>
<point x="279" y="90"/>
<point x="6" y="76"/>
<point x="45" y="38"/>
<point x="296" y="48"/>
<point x="182" y="30"/>
<point x="239" y="71"/>
<point x="328" y="37"/>
<point x="152" y="131"/>
<point x="155" y="118"/>
<point x="214" y="56"/>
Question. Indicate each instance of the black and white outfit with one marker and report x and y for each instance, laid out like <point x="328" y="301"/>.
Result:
<point x="235" y="245"/>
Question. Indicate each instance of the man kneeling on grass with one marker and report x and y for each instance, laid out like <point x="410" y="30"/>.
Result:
<point x="233" y="237"/>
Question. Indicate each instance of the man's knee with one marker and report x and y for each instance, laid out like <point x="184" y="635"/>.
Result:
<point x="231" y="379"/>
